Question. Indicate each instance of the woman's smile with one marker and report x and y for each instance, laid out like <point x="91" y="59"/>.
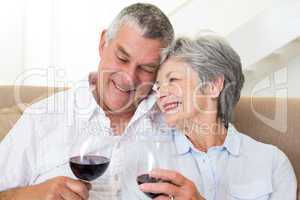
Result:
<point x="171" y="107"/>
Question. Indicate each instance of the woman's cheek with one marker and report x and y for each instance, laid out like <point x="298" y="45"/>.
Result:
<point x="190" y="108"/>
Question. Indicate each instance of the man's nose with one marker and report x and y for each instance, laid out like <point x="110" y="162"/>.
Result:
<point x="130" y="77"/>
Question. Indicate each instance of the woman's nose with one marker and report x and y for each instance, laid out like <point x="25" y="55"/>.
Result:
<point x="162" y="90"/>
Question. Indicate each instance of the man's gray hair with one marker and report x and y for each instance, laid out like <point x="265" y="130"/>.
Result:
<point x="213" y="57"/>
<point x="153" y="23"/>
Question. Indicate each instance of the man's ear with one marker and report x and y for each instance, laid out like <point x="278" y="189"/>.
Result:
<point x="102" y="42"/>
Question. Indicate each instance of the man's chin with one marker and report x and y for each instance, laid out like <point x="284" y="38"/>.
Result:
<point x="119" y="109"/>
<point x="113" y="104"/>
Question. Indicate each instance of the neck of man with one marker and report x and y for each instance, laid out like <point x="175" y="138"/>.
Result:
<point x="205" y="132"/>
<point x="118" y="119"/>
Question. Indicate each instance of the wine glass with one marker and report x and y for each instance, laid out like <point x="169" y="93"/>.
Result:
<point x="90" y="154"/>
<point x="155" y="151"/>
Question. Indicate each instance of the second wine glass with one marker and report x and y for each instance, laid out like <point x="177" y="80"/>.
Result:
<point x="155" y="151"/>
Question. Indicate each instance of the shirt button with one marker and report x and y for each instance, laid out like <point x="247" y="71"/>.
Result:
<point x="116" y="177"/>
<point x="118" y="145"/>
<point x="118" y="193"/>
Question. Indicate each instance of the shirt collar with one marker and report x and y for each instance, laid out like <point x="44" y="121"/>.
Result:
<point x="232" y="142"/>
<point x="144" y="107"/>
<point x="85" y="103"/>
<point x="183" y="144"/>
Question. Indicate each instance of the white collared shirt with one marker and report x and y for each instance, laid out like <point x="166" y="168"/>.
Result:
<point x="38" y="147"/>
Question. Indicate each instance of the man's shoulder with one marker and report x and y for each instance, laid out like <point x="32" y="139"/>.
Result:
<point x="63" y="101"/>
<point x="53" y="104"/>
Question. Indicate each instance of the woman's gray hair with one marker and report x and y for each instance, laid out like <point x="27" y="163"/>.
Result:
<point x="152" y="22"/>
<point x="213" y="57"/>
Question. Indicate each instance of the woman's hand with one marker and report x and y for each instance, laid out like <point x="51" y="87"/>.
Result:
<point x="177" y="186"/>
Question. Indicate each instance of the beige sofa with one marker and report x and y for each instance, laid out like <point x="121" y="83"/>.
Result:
<point x="269" y="120"/>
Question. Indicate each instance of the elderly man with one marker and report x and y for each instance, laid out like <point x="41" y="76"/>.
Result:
<point x="34" y="155"/>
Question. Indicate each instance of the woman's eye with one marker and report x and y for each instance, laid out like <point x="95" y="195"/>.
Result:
<point x="173" y="79"/>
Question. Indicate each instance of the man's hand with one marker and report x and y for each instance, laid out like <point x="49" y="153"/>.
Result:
<point x="177" y="186"/>
<point x="59" y="188"/>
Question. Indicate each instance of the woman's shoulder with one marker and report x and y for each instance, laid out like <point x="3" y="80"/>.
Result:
<point x="265" y="161"/>
<point x="249" y="142"/>
<point x="251" y="147"/>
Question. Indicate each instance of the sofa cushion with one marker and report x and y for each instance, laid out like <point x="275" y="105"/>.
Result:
<point x="10" y="114"/>
<point x="8" y="117"/>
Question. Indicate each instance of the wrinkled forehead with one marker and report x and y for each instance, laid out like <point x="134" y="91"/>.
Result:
<point x="138" y="46"/>
<point x="173" y="64"/>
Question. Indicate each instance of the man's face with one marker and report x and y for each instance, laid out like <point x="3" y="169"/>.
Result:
<point x="127" y="69"/>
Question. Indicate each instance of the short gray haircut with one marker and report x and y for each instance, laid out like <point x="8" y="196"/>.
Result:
<point x="153" y="23"/>
<point x="212" y="57"/>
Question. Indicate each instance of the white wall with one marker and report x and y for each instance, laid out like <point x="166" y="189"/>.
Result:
<point x="270" y="30"/>
<point x="219" y="16"/>
<point x="293" y="77"/>
<point x="276" y="75"/>
<point x="11" y="40"/>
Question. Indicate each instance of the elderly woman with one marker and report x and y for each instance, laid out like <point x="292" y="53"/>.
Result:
<point x="198" y="87"/>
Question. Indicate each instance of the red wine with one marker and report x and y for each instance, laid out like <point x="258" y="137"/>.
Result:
<point x="145" y="178"/>
<point x="89" y="167"/>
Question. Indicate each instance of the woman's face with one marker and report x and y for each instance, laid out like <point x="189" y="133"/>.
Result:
<point x="178" y="91"/>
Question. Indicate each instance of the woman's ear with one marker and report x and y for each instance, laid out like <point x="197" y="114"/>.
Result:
<point x="102" y="42"/>
<point x="216" y="86"/>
